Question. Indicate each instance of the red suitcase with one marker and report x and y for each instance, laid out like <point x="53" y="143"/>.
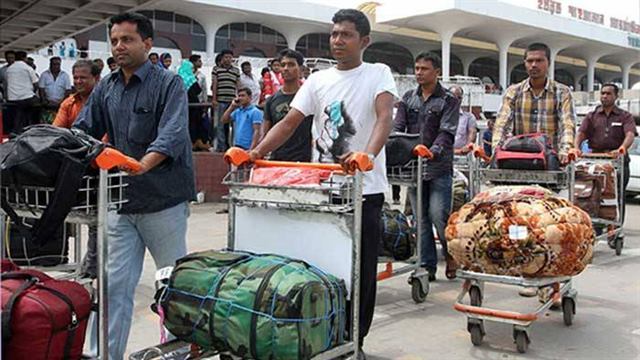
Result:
<point x="42" y="318"/>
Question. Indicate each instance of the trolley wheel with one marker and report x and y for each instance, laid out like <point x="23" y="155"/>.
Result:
<point x="619" y="244"/>
<point x="522" y="341"/>
<point x="476" y="334"/>
<point x="475" y="296"/>
<point x="418" y="293"/>
<point x="568" y="310"/>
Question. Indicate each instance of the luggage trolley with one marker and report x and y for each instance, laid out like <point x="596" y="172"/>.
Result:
<point x="319" y="224"/>
<point x="474" y="282"/>
<point x="613" y="233"/>
<point x="410" y="175"/>
<point x="97" y="195"/>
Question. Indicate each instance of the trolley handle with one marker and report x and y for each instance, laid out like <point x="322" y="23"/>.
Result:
<point x="478" y="152"/>
<point x="110" y="158"/>
<point x="621" y="151"/>
<point x="423" y="152"/>
<point x="356" y="161"/>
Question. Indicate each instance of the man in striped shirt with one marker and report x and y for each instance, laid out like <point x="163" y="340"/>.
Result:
<point x="224" y="84"/>
<point x="537" y="104"/>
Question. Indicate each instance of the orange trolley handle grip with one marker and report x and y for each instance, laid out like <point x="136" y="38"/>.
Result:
<point x="356" y="161"/>
<point x="423" y="152"/>
<point x="110" y="158"/>
<point x="479" y="153"/>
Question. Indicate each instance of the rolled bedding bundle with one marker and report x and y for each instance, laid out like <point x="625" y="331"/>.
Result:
<point x="521" y="231"/>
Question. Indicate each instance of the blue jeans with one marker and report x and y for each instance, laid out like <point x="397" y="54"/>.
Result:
<point x="222" y="130"/>
<point x="436" y="208"/>
<point x="164" y="234"/>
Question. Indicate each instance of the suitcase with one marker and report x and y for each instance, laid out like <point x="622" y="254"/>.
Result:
<point x="587" y="195"/>
<point x="526" y="152"/>
<point x="42" y="318"/>
<point x="254" y="306"/>
<point x="606" y="176"/>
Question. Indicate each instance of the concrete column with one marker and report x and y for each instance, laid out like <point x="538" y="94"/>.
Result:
<point x="552" y="64"/>
<point x="626" y="69"/>
<point x="446" y="53"/>
<point x="211" y="29"/>
<point x="576" y="81"/>
<point x="503" y="59"/>
<point x="467" y="60"/>
<point x="591" y="73"/>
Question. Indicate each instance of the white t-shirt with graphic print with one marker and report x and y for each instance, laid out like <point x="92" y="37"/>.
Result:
<point x="343" y="105"/>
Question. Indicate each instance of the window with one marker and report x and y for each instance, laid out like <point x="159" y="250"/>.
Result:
<point x="182" y="24"/>
<point x="163" y="21"/>
<point x="251" y="32"/>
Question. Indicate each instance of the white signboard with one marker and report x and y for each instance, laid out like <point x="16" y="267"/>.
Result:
<point x="321" y="239"/>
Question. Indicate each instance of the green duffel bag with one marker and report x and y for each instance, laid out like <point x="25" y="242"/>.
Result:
<point x="254" y="306"/>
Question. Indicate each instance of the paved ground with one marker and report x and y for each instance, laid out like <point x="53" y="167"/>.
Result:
<point x="606" y="326"/>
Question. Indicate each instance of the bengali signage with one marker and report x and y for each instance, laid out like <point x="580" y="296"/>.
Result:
<point x="555" y="7"/>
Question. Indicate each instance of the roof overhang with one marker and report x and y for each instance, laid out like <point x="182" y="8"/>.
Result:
<point x="499" y="22"/>
<point x="29" y="25"/>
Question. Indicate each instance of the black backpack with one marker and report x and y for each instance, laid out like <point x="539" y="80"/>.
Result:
<point x="398" y="240"/>
<point x="46" y="156"/>
<point x="399" y="148"/>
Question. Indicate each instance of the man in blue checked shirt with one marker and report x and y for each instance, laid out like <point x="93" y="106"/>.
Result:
<point x="143" y="110"/>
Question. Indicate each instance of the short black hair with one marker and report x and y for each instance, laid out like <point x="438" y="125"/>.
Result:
<point x="225" y="52"/>
<point x="143" y="24"/>
<point x="614" y="86"/>
<point x="153" y="54"/>
<point x="274" y="60"/>
<point x="246" y="90"/>
<point x="434" y="58"/>
<point x="93" y="67"/>
<point x="54" y="58"/>
<point x="292" y="54"/>
<point x="98" y="60"/>
<point x="111" y="60"/>
<point x="538" y="47"/>
<point x="21" y="55"/>
<point x="357" y="17"/>
<point x="9" y="52"/>
<point x="194" y="57"/>
<point x="264" y="71"/>
<point x="244" y="64"/>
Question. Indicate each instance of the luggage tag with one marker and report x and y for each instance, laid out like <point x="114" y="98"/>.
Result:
<point x="164" y="273"/>
<point x="518" y="232"/>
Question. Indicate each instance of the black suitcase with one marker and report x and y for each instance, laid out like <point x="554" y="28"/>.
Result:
<point x="24" y="252"/>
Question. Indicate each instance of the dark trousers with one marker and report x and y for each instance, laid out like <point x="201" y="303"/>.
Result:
<point x="371" y="231"/>
<point x="395" y="192"/>
<point x="27" y="112"/>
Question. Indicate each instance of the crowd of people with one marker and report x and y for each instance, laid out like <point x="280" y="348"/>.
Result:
<point x="143" y="109"/>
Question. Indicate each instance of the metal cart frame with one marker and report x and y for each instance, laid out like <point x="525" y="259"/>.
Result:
<point x="410" y="175"/>
<point x="101" y="193"/>
<point x="561" y="287"/>
<point x="477" y="314"/>
<point x="613" y="232"/>
<point x="342" y="199"/>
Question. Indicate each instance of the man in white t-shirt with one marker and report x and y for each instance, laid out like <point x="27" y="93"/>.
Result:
<point x="21" y="84"/>
<point x="352" y="105"/>
<point x="55" y="83"/>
